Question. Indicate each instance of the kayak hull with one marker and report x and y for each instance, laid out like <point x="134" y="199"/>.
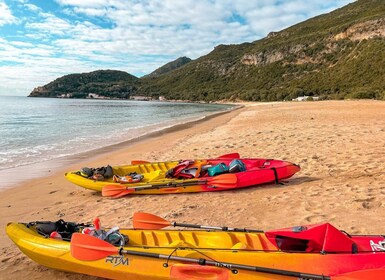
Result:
<point x="252" y="249"/>
<point x="258" y="171"/>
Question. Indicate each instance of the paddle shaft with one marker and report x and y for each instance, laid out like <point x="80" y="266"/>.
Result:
<point x="144" y="220"/>
<point x="127" y="190"/>
<point x="167" y="185"/>
<point x="225" y="181"/>
<point x="182" y="184"/>
<point x="232" y="266"/>
<point x="175" y="224"/>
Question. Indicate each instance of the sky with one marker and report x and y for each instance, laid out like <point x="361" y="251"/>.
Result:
<point x="41" y="40"/>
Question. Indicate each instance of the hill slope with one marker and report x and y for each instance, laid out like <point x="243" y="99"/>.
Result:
<point x="108" y="83"/>
<point x="181" y="61"/>
<point x="336" y="55"/>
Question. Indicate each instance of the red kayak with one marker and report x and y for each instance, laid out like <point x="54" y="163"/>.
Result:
<point x="199" y="175"/>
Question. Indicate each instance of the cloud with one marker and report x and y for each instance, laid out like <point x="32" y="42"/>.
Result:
<point x="52" y="38"/>
<point x="32" y="7"/>
<point x="6" y="16"/>
<point x="216" y="22"/>
<point x="50" y="24"/>
<point x="84" y="3"/>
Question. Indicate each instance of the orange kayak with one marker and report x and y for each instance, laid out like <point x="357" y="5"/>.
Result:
<point x="306" y="252"/>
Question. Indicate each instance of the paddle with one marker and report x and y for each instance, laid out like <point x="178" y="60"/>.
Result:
<point x="143" y="220"/>
<point x="224" y="181"/>
<point x="85" y="247"/>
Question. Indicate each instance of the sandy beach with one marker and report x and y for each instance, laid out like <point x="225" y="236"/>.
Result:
<point x="340" y="146"/>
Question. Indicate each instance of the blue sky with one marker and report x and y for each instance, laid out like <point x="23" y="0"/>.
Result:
<point x="41" y="40"/>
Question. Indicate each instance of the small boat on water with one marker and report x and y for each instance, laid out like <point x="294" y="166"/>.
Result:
<point x="199" y="175"/>
<point x="318" y="251"/>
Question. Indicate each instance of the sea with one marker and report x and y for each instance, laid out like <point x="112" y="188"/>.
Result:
<point x="37" y="130"/>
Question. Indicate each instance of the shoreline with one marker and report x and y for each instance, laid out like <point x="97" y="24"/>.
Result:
<point x="340" y="146"/>
<point x="113" y="155"/>
<point x="10" y="177"/>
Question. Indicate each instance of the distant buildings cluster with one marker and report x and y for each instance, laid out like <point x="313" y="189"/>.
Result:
<point x="306" y="98"/>
<point x="97" y="96"/>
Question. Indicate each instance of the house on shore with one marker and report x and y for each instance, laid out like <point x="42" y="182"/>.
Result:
<point x="306" y="98"/>
<point x="140" y="98"/>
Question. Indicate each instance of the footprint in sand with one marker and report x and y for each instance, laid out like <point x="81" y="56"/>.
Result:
<point x="315" y="193"/>
<point x="315" y="218"/>
<point x="368" y="203"/>
<point x="309" y="205"/>
<point x="41" y="268"/>
<point x="371" y="204"/>
<point x="5" y="260"/>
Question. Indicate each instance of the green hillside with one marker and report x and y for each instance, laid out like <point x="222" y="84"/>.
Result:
<point x="108" y="83"/>
<point x="336" y="55"/>
<point x="333" y="56"/>
<point x="181" y="61"/>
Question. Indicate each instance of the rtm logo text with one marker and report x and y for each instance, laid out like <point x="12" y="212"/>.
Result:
<point x="117" y="260"/>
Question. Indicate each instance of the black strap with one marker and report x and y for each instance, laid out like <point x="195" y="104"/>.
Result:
<point x="275" y="175"/>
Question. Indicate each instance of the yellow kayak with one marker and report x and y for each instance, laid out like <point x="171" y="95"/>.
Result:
<point x="305" y="252"/>
<point x="152" y="172"/>
<point x="223" y="246"/>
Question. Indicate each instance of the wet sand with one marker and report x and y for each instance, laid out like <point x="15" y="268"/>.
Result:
<point x="340" y="146"/>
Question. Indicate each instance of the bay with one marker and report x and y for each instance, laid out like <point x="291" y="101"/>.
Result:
<point x="34" y="130"/>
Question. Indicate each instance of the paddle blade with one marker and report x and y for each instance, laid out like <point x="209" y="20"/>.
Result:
<point x="225" y="181"/>
<point x="85" y="247"/>
<point x="123" y="193"/>
<point x="142" y="220"/>
<point x="230" y="156"/>
<point x="116" y="191"/>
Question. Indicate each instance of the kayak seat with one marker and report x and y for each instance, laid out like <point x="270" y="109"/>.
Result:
<point x="181" y="243"/>
<point x="153" y="176"/>
<point x="239" y="246"/>
<point x="253" y="165"/>
<point x="164" y="239"/>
